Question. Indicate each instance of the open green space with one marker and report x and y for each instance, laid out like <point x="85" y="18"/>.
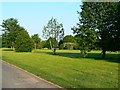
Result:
<point x="68" y="68"/>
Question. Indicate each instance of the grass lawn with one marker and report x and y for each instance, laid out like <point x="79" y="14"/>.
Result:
<point x="68" y="69"/>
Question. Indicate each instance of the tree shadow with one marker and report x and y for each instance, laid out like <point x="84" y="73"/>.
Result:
<point x="110" y="57"/>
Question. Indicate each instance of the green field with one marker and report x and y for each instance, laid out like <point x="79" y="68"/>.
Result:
<point x="68" y="69"/>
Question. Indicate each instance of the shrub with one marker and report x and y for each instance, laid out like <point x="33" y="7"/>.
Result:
<point x="23" y="41"/>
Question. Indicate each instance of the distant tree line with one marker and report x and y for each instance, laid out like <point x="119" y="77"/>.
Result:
<point x="98" y="28"/>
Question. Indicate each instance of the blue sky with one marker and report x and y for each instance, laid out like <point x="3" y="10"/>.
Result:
<point x="34" y="15"/>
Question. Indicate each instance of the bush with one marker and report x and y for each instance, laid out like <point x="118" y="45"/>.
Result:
<point x="7" y="49"/>
<point x="23" y="41"/>
<point x="61" y="46"/>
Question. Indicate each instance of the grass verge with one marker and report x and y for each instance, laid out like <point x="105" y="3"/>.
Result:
<point x="67" y="68"/>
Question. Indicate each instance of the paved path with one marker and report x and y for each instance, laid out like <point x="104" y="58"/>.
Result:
<point x="13" y="77"/>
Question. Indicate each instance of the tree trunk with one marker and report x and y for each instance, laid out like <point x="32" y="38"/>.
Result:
<point x="103" y="53"/>
<point x="54" y="51"/>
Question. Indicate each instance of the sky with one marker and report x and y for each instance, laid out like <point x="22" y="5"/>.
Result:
<point x="34" y="15"/>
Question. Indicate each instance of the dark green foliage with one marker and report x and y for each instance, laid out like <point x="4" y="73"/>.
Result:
<point x="60" y="44"/>
<point x="85" y="32"/>
<point x="0" y="41"/>
<point x="51" y="42"/>
<point x="42" y="44"/>
<point x="99" y="24"/>
<point x="23" y="41"/>
<point x="5" y="40"/>
<point x="15" y="36"/>
<point x="68" y="38"/>
<point x="107" y="23"/>
<point x="36" y="40"/>
<point x="7" y="49"/>
<point x="69" y="42"/>
<point x="10" y="27"/>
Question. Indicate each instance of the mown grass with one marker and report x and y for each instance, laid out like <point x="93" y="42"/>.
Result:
<point x="68" y="69"/>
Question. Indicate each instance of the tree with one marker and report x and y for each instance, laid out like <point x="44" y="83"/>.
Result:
<point x="54" y="30"/>
<point x="23" y="41"/>
<point x="50" y="42"/>
<point x="69" y="42"/>
<point x="10" y="27"/>
<point x="42" y="44"/>
<point x="85" y="32"/>
<point x="15" y="36"/>
<point x="100" y="20"/>
<point x="0" y="42"/>
<point x="36" y="40"/>
<point x="107" y="26"/>
<point x="69" y="38"/>
<point x="60" y="44"/>
<point x="5" y="40"/>
<point x="106" y="23"/>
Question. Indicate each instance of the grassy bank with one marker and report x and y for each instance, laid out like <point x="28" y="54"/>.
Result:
<point x="68" y="69"/>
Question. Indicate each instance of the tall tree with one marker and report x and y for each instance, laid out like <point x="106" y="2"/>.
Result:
<point x="16" y="36"/>
<point x="23" y="41"/>
<point x="54" y="30"/>
<point x="107" y="24"/>
<point x="10" y="27"/>
<point x="102" y="19"/>
<point x="36" y="40"/>
<point x="85" y="31"/>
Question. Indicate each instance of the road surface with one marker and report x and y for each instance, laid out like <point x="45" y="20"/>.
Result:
<point x="13" y="77"/>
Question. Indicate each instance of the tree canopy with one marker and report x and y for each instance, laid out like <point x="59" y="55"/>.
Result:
<point x="54" y="30"/>
<point x="15" y="36"/>
<point x="36" y="40"/>
<point x="98" y="23"/>
<point x="10" y="27"/>
<point x="23" y="41"/>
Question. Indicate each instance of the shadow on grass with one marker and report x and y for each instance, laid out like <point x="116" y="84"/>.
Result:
<point x="7" y="49"/>
<point x="96" y="56"/>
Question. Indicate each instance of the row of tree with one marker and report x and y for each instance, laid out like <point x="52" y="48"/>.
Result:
<point x="98" y="28"/>
<point x="16" y="37"/>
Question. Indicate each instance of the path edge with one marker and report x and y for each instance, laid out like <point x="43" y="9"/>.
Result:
<point x="33" y="74"/>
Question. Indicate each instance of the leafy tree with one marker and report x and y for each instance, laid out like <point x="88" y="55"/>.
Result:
<point x="69" y="42"/>
<point x="107" y="26"/>
<point x="50" y="43"/>
<point x="15" y="36"/>
<point x="98" y="24"/>
<point x="85" y="32"/>
<point x="42" y="44"/>
<point x="60" y="44"/>
<point x="54" y="30"/>
<point x="5" y="40"/>
<point x="36" y="40"/>
<point x="10" y="27"/>
<point x="23" y="41"/>
<point x="0" y="42"/>
<point x="68" y="38"/>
